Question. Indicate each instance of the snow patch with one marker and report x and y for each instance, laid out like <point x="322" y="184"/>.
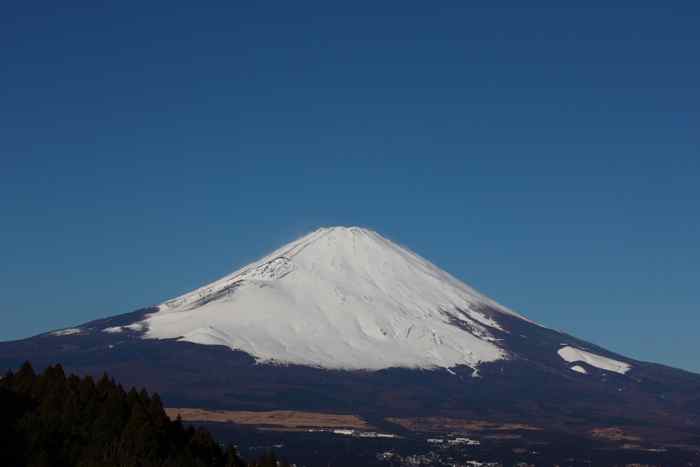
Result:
<point x="67" y="332"/>
<point x="139" y="326"/>
<point x="572" y="354"/>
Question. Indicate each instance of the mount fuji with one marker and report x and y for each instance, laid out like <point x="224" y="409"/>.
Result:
<point x="344" y="320"/>
<point x="338" y="298"/>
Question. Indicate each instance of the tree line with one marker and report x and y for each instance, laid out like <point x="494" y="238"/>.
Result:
<point x="54" y="420"/>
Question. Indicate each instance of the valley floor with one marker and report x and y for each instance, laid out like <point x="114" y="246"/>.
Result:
<point x="319" y="439"/>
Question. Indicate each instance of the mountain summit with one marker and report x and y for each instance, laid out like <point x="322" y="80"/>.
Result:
<point x="342" y="298"/>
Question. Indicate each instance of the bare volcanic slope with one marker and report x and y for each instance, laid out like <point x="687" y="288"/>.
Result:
<point x="345" y="321"/>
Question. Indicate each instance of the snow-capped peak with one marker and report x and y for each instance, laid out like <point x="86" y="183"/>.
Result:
<point x="340" y="297"/>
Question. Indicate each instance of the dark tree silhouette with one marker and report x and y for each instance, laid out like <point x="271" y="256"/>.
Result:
<point x="55" y="420"/>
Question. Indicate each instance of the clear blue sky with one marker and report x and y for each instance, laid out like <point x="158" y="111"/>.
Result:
<point x="548" y="156"/>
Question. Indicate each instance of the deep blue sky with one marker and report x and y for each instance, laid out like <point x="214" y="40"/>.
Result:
<point x="548" y="156"/>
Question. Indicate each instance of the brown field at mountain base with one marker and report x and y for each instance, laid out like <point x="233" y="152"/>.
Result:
<point x="274" y="418"/>
<point x="440" y="424"/>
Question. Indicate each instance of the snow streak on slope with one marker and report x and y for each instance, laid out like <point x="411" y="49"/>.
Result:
<point x="571" y="355"/>
<point x="342" y="298"/>
<point x="67" y="332"/>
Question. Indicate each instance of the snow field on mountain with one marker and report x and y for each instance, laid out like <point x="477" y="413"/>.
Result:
<point x="572" y="355"/>
<point x="339" y="298"/>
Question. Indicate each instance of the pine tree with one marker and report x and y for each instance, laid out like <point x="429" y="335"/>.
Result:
<point x="54" y="420"/>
